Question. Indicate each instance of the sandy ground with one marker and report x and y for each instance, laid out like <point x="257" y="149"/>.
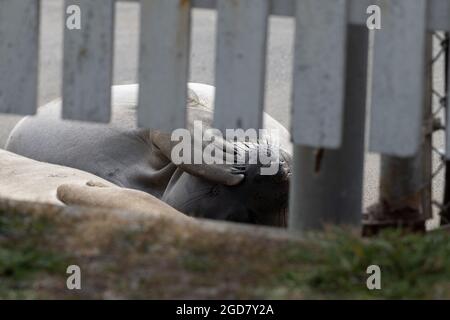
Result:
<point x="279" y="60"/>
<point x="129" y="255"/>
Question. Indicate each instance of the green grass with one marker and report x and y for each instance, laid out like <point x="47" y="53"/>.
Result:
<point x="412" y="266"/>
<point x="23" y="258"/>
<point x="163" y="260"/>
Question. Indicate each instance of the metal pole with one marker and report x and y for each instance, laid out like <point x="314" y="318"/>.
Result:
<point x="327" y="185"/>
<point x="445" y="214"/>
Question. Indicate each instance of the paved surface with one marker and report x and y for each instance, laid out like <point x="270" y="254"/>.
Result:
<point x="202" y="66"/>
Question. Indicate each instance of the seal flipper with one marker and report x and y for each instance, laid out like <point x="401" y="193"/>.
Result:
<point x="99" y="195"/>
<point x="218" y="172"/>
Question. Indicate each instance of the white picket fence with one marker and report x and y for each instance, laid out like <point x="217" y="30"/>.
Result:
<point x="320" y="67"/>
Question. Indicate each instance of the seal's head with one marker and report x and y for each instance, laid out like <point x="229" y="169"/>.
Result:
<point x="259" y="199"/>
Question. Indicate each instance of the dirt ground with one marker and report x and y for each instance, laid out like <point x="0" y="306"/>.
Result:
<point x="125" y="255"/>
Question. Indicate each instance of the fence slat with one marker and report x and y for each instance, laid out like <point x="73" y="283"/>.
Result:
<point x="398" y="78"/>
<point x="321" y="29"/>
<point x="164" y="60"/>
<point x="327" y="188"/>
<point x="438" y="17"/>
<point x="88" y="62"/>
<point x="19" y="31"/>
<point x="240" y="64"/>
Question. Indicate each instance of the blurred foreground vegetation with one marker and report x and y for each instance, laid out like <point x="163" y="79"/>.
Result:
<point x="153" y="258"/>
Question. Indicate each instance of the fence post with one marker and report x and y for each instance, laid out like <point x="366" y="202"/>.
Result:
<point x="445" y="211"/>
<point x="405" y="183"/>
<point x="19" y="49"/>
<point x="326" y="187"/>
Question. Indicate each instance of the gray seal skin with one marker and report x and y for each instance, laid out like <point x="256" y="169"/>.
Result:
<point x="141" y="159"/>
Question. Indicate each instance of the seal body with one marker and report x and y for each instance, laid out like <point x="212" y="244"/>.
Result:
<point x="29" y="180"/>
<point x="134" y="158"/>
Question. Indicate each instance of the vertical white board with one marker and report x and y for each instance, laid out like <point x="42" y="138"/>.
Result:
<point x="398" y="78"/>
<point x="88" y="61"/>
<point x="319" y="72"/>
<point x="240" y="63"/>
<point x="438" y="15"/>
<point x="163" y="66"/>
<point x="19" y="34"/>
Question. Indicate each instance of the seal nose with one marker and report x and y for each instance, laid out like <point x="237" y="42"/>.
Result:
<point x="266" y="196"/>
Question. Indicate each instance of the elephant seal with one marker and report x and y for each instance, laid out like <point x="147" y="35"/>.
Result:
<point x="141" y="159"/>
<point x="24" y="179"/>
